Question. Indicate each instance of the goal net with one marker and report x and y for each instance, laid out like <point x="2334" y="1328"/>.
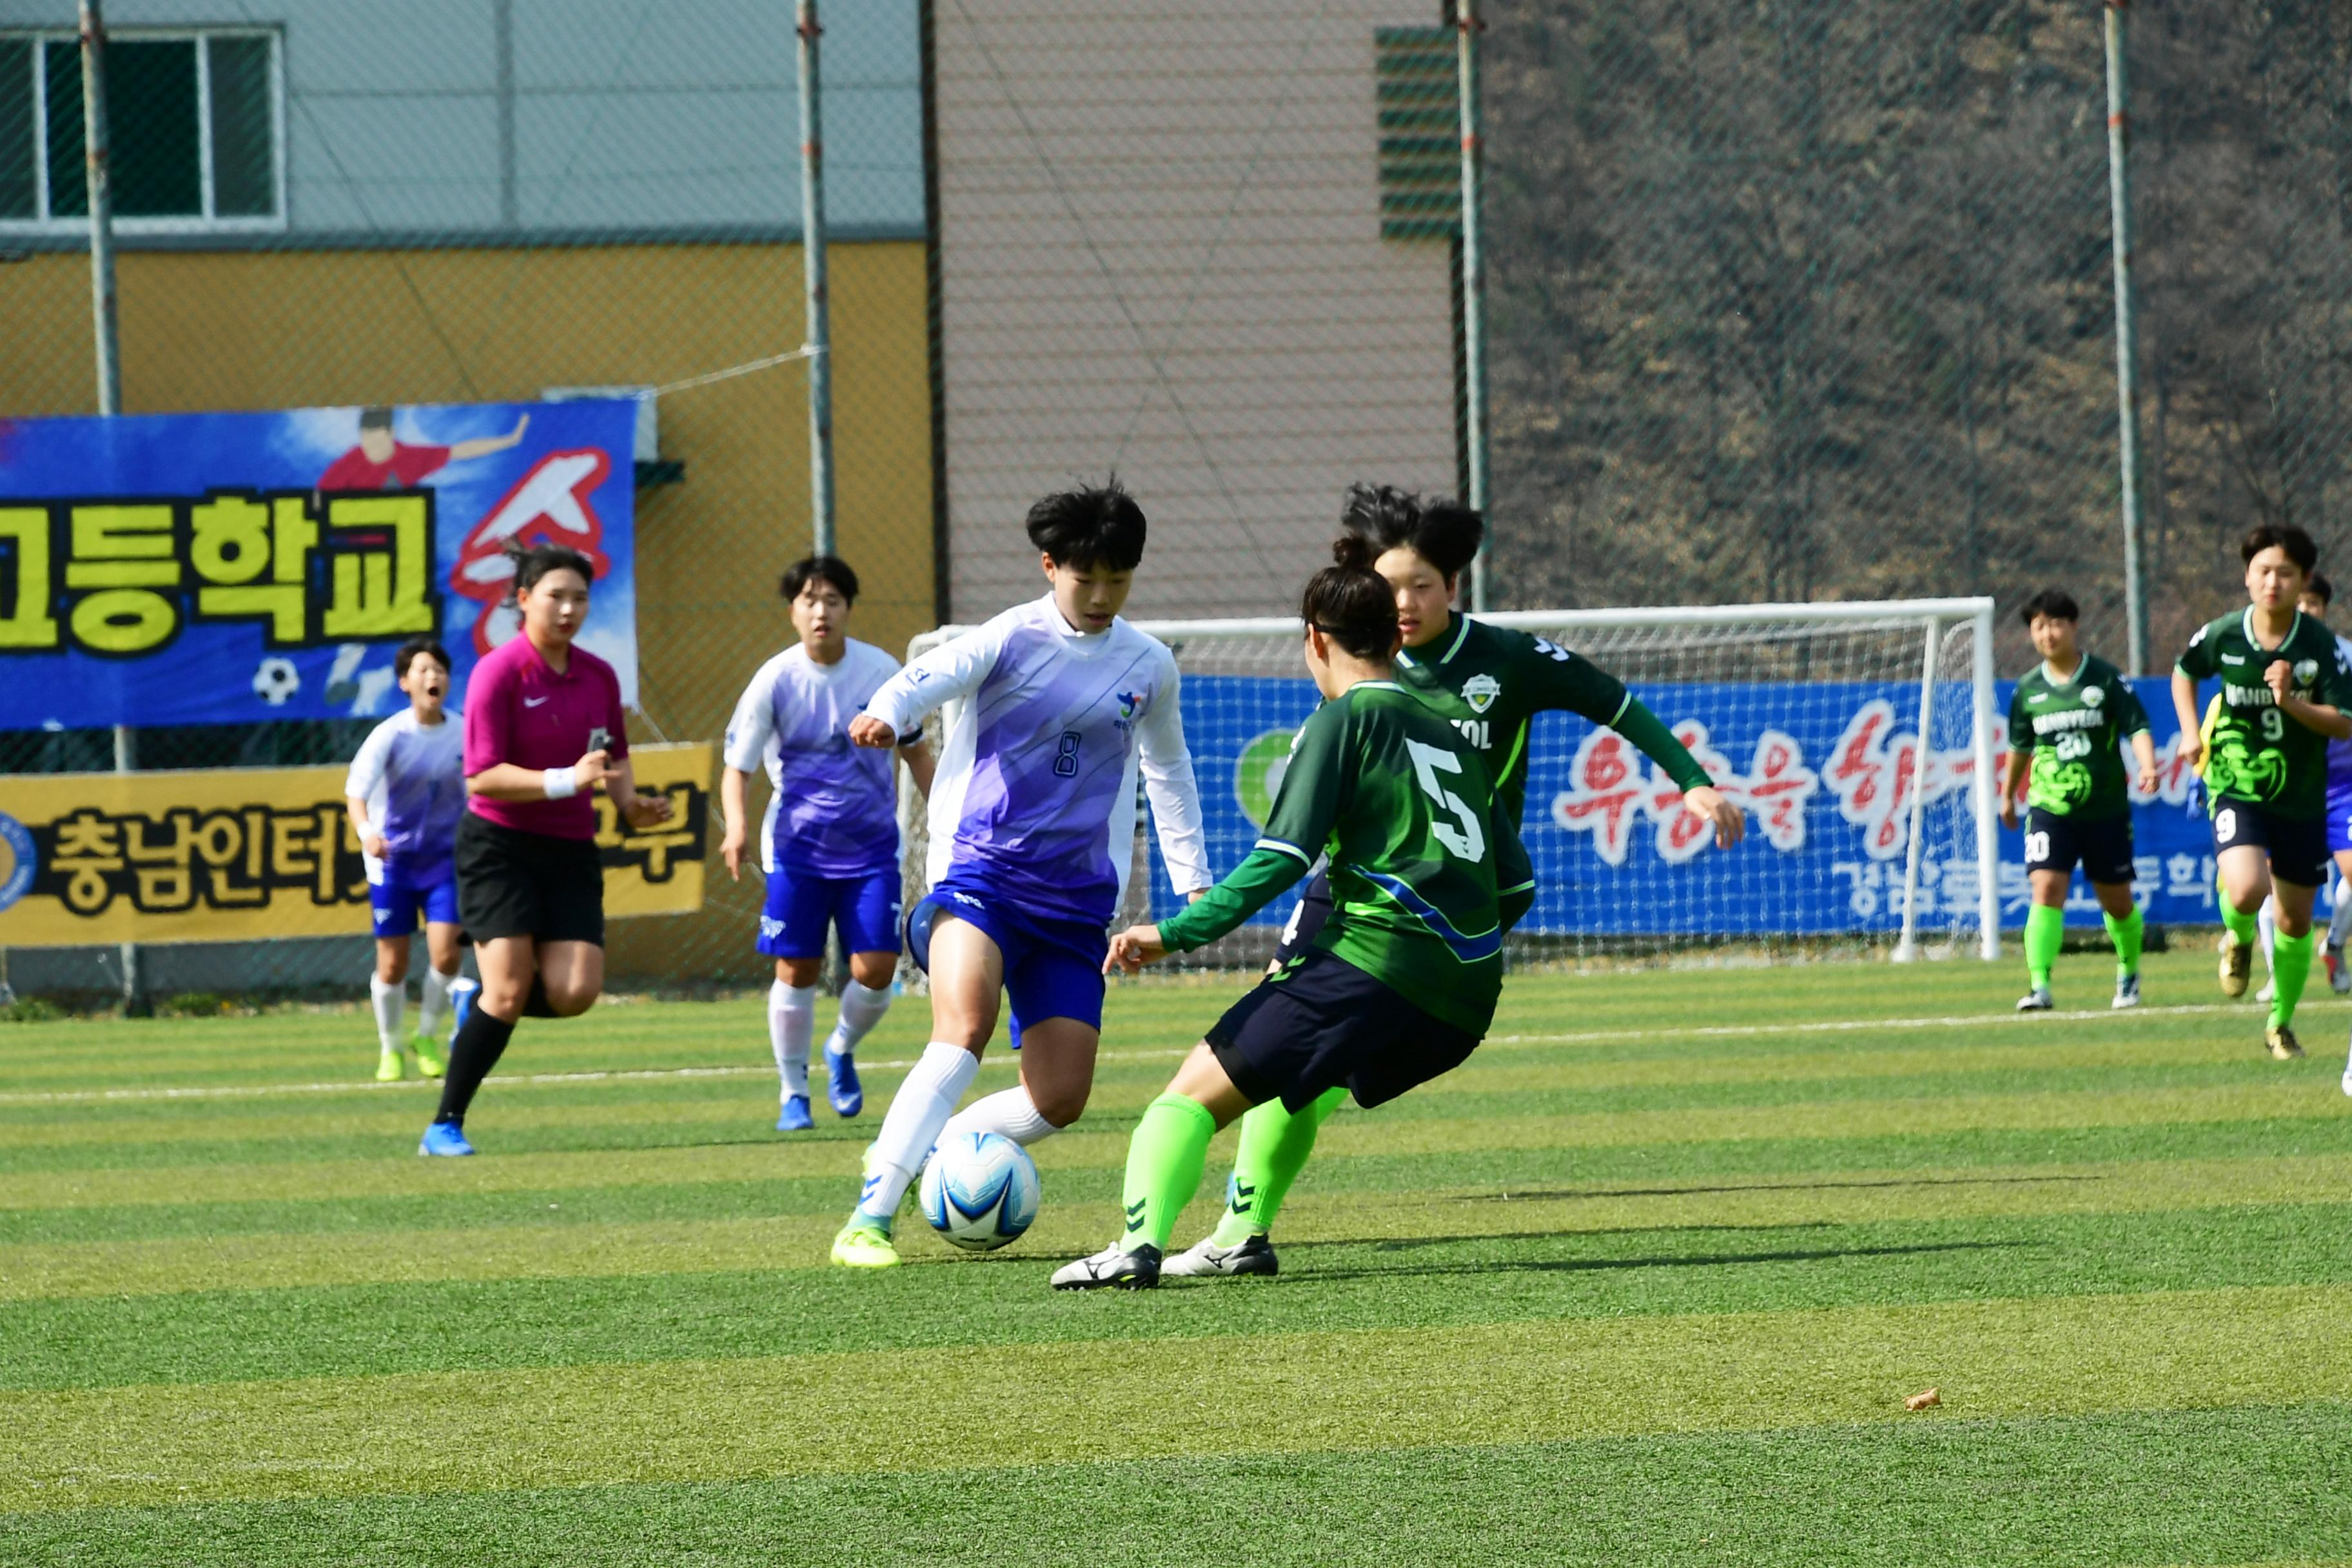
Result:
<point x="1810" y="717"/>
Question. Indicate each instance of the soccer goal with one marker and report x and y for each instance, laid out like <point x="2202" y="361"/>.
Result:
<point x="1854" y="735"/>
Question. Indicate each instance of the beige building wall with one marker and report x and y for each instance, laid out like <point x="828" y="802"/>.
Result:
<point x="1160" y="253"/>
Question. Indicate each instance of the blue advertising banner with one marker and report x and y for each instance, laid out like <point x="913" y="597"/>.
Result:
<point x="1826" y="773"/>
<point x="232" y="568"/>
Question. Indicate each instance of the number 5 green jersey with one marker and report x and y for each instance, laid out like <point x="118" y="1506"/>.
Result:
<point x="2071" y="728"/>
<point x="1381" y="779"/>
<point x="2258" y="754"/>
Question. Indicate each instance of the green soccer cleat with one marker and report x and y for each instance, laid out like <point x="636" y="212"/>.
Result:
<point x="430" y="1062"/>
<point x="389" y="1067"/>
<point x="861" y="1243"/>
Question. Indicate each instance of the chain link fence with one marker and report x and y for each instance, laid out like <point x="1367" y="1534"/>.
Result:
<point x="1786" y="301"/>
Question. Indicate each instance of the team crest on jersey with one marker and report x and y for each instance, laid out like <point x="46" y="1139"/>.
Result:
<point x="1130" y="703"/>
<point x="2306" y="670"/>
<point x="2092" y="696"/>
<point x="1480" y="691"/>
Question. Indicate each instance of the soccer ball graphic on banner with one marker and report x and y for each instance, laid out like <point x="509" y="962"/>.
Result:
<point x="980" y="1191"/>
<point x="274" y="680"/>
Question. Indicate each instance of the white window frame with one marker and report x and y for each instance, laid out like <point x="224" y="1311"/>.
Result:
<point x="275" y="223"/>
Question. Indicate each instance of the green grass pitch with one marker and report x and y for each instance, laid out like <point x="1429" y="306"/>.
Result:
<point x="1647" y="1281"/>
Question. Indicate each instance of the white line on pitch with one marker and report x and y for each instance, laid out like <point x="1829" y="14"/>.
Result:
<point x="1597" y="1036"/>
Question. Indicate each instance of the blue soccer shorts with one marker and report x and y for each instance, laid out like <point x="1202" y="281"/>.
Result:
<point x="1053" y="968"/>
<point x="802" y="904"/>
<point x="401" y="895"/>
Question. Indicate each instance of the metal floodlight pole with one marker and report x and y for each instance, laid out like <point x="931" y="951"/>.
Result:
<point x="1473" y="286"/>
<point x="820" y="328"/>
<point x="2127" y="328"/>
<point x="99" y="178"/>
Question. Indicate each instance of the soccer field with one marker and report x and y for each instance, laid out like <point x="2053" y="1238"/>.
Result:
<point x="1648" y="1280"/>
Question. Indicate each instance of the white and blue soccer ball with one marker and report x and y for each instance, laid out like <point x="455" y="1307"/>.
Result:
<point x="980" y="1191"/>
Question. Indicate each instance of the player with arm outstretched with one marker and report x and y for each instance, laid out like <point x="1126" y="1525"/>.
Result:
<point x="2068" y="716"/>
<point x="406" y="793"/>
<point x="829" y="843"/>
<point x="2285" y="686"/>
<point x="1398" y="984"/>
<point x="1032" y="826"/>
<point x="1504" y="679"/>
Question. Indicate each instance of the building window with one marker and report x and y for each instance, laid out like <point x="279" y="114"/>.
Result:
<point x="194" y="134"/>
<point x="1417" y="73"/>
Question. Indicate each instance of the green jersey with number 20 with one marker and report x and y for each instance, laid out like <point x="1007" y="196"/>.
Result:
<point x="2070" y="729"/>
<point x="2258" y="753"/>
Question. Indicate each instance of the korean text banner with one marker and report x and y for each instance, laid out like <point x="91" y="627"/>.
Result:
<point x="230" y="568"/>
<point x="255" y="854"/>
<point x="1824" y="771"/>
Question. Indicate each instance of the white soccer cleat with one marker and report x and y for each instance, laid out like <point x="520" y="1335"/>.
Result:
<point x="2269" y="991"/>
<point x="2036" y="1001"/>
<point x="2126" y="992"/>
<point x="1205" y="1259"/>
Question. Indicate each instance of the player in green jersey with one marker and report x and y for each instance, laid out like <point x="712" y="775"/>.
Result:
<point x="2069" y="715"/>
<point x="1400" y="984"/>
<point x="1504" y="678"/>
<point x="2285" y="686"/>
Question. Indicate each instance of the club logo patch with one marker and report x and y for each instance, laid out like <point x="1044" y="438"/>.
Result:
<point x="2093" y="696"/>
<point x="2306" y="670"/>
<point x="1480" y="691"/>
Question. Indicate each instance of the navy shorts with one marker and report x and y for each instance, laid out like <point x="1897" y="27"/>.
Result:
<point x="1318" y="1023"/>
<point x="1052" y="969"/>
<point x="2297" y="846"/>
<point x="802" y="904"/>
<point x="396" y="899"/>
<point x="2339" y="819"/>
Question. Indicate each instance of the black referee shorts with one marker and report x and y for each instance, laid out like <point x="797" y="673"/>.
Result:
<point x="512" y="883"/>
<point x="1319" y="1022"/>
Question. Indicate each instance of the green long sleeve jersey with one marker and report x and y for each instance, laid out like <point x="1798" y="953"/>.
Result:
<point x="2072" y="729"/>
<point x="2258" y="754"/>
<point x="1506" y="678"/>
<point x="1383" y="780"/>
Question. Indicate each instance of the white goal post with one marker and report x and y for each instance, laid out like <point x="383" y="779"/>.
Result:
<point x="1869" y="730"/>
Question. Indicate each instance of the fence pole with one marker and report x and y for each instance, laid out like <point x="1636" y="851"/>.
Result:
<point x="1907" y="947"/>
<point x="1988" y="824"/>
<point x="820" y="329"/>
<point x="2127" y="328"/>
<point x="99" y="176"/>
<point x="1473" y="286"/>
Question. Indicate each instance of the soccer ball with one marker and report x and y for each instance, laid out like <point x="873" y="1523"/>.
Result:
<point x="980" y="1191"/>
<point x="275" y="680"/>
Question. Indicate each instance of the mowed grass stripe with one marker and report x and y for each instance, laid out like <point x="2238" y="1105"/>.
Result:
<point x="536" y="1241"/>
<point x="2207" y="1487"/>
<point x="1388" y="1389"/>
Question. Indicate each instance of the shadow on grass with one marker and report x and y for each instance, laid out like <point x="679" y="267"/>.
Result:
<point x="1563" y="1194"/>
<point x="1604" y="1265"/>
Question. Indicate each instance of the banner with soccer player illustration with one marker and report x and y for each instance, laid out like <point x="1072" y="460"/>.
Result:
<point x="234" y="568"/>
<point x="257" y="854"/>
<point x="1826" y="773"/>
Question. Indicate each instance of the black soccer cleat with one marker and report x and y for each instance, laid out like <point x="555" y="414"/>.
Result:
<point x="1113" y="1267"/>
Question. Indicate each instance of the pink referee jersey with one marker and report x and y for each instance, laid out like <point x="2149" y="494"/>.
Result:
<point x="519" y="710"/>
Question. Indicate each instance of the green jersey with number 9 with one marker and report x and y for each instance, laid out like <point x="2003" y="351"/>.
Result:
<point x="1382" y="780"/>
<point x="2258" y="753"/>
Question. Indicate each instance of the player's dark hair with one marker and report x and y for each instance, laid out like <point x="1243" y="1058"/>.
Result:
<point x="1089" y="526"/>
<point x="2055" y="603"/>
<point x="533" y="562"/>
<point x="1351" y="604"/>
<point x="1441" y="530"/>
<point x="830" y="569"/>
<point x="411" y="649"/>
<point x="376" y="418"/>
<point x="2281" y="536"/>
<point x="2320" y="585"/>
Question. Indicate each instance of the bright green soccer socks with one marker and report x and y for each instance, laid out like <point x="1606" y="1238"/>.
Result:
<point x="1275" y="1148"/>
<point x="2126" y="934"/>
<point x="2045" y="933"/>
<point x="2240" y="923"/>
<point x="2290" y="967"/>
<point x="1165" y="1160"/>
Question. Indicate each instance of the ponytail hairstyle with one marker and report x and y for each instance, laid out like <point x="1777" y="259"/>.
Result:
<point x="1351" y="604"/>
<point x="1442" y="531"/>
<point x="533" y="562"/>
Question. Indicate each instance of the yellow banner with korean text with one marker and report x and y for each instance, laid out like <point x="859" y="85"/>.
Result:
<point x="258" y="854"/>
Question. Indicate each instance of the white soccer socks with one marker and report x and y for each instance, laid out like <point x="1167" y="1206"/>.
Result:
<point x="1010" y="1112"/>
<point x="792" y="1020"/>
<point x="912" y="1126"/>
<point x="390" y="999"/>
<point x="862" y="1007"/>
<point x="433" y="1014"/>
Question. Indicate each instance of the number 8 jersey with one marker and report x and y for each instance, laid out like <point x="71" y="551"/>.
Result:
<point x="2258" y="753"/>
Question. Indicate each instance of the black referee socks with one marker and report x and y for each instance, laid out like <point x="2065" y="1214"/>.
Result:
<point x="472" y="1054"/>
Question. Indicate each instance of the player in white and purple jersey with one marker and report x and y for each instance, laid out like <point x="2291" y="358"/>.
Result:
<point x="405" y="792"/>
<point x="2317" y="594"/>
<point x="829" y="843"/>
<point x="1033" y="821"/>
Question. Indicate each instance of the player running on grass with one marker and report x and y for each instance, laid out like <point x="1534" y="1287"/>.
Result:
<point x="2284" y="688"/>
<point x="1033" y="827"/>
<point x="1505" y="679"/>
<point x="829" y="843"/>
<point x="2067" y="718"/>
<point x="405" y="792"/>
<point x="1399" y="986"/>
<point x="2317" y="594"/>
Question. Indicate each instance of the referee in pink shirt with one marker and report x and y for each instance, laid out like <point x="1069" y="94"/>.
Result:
<point x="543" y="730"/>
